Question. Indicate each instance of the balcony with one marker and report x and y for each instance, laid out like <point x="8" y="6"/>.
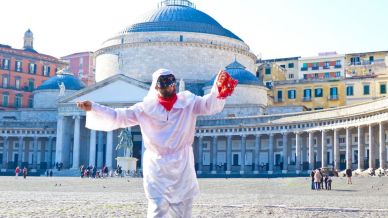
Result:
<point x="333" y="97"/>
<point x="306" y="99"/>
<point x="315" y="68"/>
<point x="304" y="69"/>
<point x="326" y="67"/>
<point x="337" y="66"/>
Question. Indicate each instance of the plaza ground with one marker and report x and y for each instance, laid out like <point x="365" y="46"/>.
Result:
<point x="124" y="197"/>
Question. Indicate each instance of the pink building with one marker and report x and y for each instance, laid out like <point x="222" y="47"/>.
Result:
<point x="82" y="65"/>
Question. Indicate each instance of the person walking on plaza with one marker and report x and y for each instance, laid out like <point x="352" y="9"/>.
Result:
<point x="25" y="171"/>
<point x="312" y="179"/>
<point x="329" y="181"/>
<point x="167" y="121"/>
<point x="317" y="179"/>
<point x="348" y="173"/>
<point x="17" y="171"/>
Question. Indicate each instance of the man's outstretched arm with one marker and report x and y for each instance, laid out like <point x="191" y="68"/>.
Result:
<point x="99" y="117"/>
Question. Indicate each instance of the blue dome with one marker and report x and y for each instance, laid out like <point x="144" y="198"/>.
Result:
<point x="178" y="17"/>
<point x="238" y="72"/>
<point x="71" y="82"/>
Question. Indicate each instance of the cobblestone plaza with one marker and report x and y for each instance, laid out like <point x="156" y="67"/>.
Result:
<point x="124" y="197"/>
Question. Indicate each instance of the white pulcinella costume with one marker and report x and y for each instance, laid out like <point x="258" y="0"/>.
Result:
<point x="168" y="160"/>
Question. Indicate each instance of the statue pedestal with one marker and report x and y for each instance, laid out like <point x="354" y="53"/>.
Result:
<point x="127" y="163"/>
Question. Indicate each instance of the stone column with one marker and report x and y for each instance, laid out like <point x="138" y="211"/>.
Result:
<point x="257" y="154"/>
<point x="35" y="160"/>
<point x="348" y="148"/>
<point x="298" y="159"/>
<point x="5" y="152"/>
<point x="372" y="161"/>
<point x="319" y="149"/>
<point x="50" y="152"/>
<point x="285" y="153"/>
<point x="60" y="139"/>
<point x="324" y="149"/>
<point x="270" y="153"/>
<point x="100" y="149"/>
<point x="336" y="150"/>
<point x="383" y="152"/>
<point x="243" y="147"/>
<point x="214" y="154"/>
<point x="361" y="148"/>
<point x="76" y="146"/>
<point x="200" y="155"/>
<point x="20" y="151"/>
<point x="92" y="148"/>
<point x="109" y="150"/>
<point x="311" y="150"/>
<point x="229" y="154"/>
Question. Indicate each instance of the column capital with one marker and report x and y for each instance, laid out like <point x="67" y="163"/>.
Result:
<point x="298" y="132"/>
<point x="76" y="117"/>
<point x="243" y="136"/>
<point x="258" y="136"/>
<point x="284" y="133"/>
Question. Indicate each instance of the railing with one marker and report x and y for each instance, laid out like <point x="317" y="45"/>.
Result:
<point x="326" y="67"/>
<point x="315" y="68"/>
<point x="278" y="100"/>
<point x="333" y="97"/>
<point x="338" y="66"/>
<point x="306" y="99"/>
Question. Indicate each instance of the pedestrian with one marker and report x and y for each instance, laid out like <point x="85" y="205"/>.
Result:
<point x="348" y="173"/>
<point x="312" y="179"/>
<point x="317" y="179"/>
<point x="51" y="173"/>
<point x="326" y="180"/>
<point x="17" y="171"/>
<point x="47" y="172"/>
<point x="329" y="181"/>
<point x="25" y="171"/>
<point x="167" y="121"/>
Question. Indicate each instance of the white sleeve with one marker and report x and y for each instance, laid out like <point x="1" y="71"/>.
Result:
<point x="209" y="104"/>
<point x="104" y="118"/>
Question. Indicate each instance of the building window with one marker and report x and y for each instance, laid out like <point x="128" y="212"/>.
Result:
<point x="337" y="74"/>
<point x="267" y="71"/>
<point x="5" y="64"/>
<point x="341" y="140"/>
<point x="18" y="100"/>
<point x="291" y="94"/>
<point x="181" y="38"/>
<point x="283" y="66"/>
<point x="5" y="81"/>
<point x="290" y="65"/>
<point x="355" y="61"/>
<point x="17" y="82"/>
<point x="315" y="66"/>
<point x="318" y="92"/>
<point x="326" y="65"/>
<point x="30" y="101"/>
<point x="383" y="89"/>
<point x="31" y="85"/>
<point x="333" y="93"/>
<point x="327" y="75"/>
<point x="371" y="59"/>
<point x="280" y="96"/>
<point x="45" y="70"/>
<point x="32" y="68"/>
<point x="349" y="91"/>
<point x="5" y="99"/>
<point x="366" y="90"/>
<point x="291" y="76"/>
<point x="307" y="95"/>
<point x="18" y="66"/>
<point x="268" y="85"/>
<point x="338" y="63"/>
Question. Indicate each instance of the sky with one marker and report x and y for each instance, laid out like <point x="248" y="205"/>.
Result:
<point x="272" y="28"/>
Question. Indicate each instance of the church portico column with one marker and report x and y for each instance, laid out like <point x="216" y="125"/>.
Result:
<point x="200" y="155"/>
<point x="336" y="150"/>
<point x="20" y="151"/>
<point x="228" y="154"/>
<point x="76" y="147"/>
<point x="298" y="159"/>
<point x="243" y="147"/>
<point x="382" y="152"/>
<point x="348" y="141"/>
<point x="5" y="152"/>
<point x="324" y="149"/>
<point x="214" y="155"/>
<point x="60" y="140"/>
<point x="100" y="149"/>
<point x="35" y="159"/>
<point x="257" y="154"/>
<point x="270" y="153"/>
<point x="372" y="161"/>
<point x="92" y="148"/>
<point x="109" y="149"/>
<point x="285" y="153"/>
<point x="311" y="150"/>
<point x="50" y="152"/>
<point x="361" y="148"/>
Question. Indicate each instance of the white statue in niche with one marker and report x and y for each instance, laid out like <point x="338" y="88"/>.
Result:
<point x="62" y="89"/>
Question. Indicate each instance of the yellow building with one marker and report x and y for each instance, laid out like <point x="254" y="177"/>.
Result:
<point x="367" y="63"/>
<point x="314" y="95"/>
<point x="365" y="88"/>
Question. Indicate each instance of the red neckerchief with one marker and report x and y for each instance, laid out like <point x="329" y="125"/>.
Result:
<point x="167" y="103"/>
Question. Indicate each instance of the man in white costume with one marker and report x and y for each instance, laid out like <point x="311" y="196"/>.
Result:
<point x="167" y="121"/>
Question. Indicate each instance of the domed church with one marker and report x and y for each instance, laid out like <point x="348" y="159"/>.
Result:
<point x="249" y="138"/>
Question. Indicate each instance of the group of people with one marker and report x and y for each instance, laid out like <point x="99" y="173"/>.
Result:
<point x="58" y="166"/>
<point x="320" y="180"/>
<point x="92" y="172"/>
<point x="18" y="170"/>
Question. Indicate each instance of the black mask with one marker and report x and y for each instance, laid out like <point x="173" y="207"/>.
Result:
<point x="165" y="81"/>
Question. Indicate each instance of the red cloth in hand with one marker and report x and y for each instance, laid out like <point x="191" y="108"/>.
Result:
<point x="167" y="103"/>
<point x="225" y="84"/>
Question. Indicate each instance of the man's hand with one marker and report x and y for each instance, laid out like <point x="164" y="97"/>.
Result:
<point x="85" y="105"/>
<point x="225" y="84"/>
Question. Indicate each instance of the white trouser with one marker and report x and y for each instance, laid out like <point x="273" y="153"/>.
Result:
<point x="159" y="207"/>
